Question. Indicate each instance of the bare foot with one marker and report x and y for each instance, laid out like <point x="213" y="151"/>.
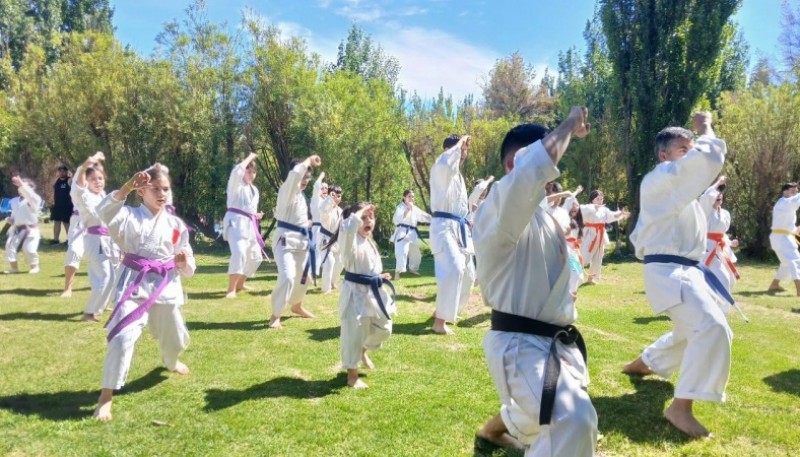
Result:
<point x="367" y="361"/>
<point x="637" y="368"/>
<point x="776" y="289"/>
<point x="66" y="294"/>
<point x="356" y="383"/>
<point x="503" y="440"/>
<point x="275" y="322"/>
<point x="231" y="294"/>
<point x="440" y="327"/>
<point x="89" y="318"/>
<point x="103" y="410"/>
<point x="396" y="275"/>
<point x="334" y="287"/>
<point x="244" y="287"/>
<point x="684" y="420"/>
<point x="298" y="309"/>
<point x="181" y="368"/>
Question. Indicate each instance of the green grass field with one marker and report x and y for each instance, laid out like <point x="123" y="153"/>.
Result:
<point x="259" y="392"/>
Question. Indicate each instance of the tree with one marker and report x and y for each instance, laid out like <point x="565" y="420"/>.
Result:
<point x="359" y="55"/>
<point x="789" y="38"/>
<point x="510" y="89"/>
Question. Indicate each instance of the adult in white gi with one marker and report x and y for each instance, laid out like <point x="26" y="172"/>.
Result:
<point x="318" y="194"/>
<point x="450" y="236"/>
<point x="783" y="237"/>
<point x="595" y="217"/>
<point x="670" y="236"/>
<point x="25" y="234"/>
<point x="719" y="253"/>
<point x="101" y="253"/>
<point x="241" y="225"/>
<point x="364" y="309"/>
<point x="149" y="292"/>
<point x="330" y="216"/>
<point x="75" y="248"/>
<point x="524" y="278"/>
<point x="290" y="242"/>
<point x="407" y="217"/>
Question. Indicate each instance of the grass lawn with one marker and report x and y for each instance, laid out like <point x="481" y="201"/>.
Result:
<point x="259" y="392"/>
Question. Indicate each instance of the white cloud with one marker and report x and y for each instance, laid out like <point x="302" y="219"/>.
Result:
<point x="432" y="59"/>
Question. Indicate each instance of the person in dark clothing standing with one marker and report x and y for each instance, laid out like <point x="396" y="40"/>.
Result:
<point x="62" y="203"/>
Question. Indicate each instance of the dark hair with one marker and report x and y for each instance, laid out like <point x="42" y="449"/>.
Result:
<point x="594" y="194"/>
<point x="555" y="188"/>
<point x="63" y="167"/>
<point x="406" y="192"/>
<point x="450" y="141"/>
<point x="345" y="214"/>
<point x="157" y="171"/>
<point x="252" y="165"/>
<point x="788" y="185"/>
<point x="578" y="220"/>
<point x="519" y="137"/>
<point x="721" y="188"/>
<point x="334" y="189"/>
<point x="97" y="168"/>
<point x="668" y="135"/>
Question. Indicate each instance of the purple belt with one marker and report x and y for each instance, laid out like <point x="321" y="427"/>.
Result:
<point x="143" y="265"/>
<point x="98" y="230"/>
<point x="256" y="230"/>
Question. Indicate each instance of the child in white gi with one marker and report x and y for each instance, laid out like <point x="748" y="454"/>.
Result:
<point x="291" y="242"/>
<point x="241" y="225"/>
<point x="319" y="192"/>
<point x="87" y="192"/>
<point x="406" y="235"/>
<point x="783" y="237"/>
<point x="330" y="216"/>
<point x="595" y="217"/>
<point x="157" y="254"/>
<point x="75" y="248"/>
<point x="364" y="306"/>
<point x="719" y="248"/>
<point x="25" y="235"/>
<point x="534" y="354"/>
<point x="564" y="221"/>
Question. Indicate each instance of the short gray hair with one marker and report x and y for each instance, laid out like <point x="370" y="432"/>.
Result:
<point x="667" y="135"/>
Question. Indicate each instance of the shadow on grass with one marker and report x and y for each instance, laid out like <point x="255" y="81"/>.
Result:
<point x="248" y="325"/>
<point x="788" y="381"/>
<point x="71" y="405"/>
<point x="639" y="416"/>
<point x="32" y="292"/>
<point x="649" y="319"/>
<point x="757" y="293"/>
<point x="413" y="328"/>
<point x="475" y="320"/>
<point x="324" y="334"/>
<point x="38" y="316"/>
<point x="217" y="399"/>
<point x="414" y="299"/>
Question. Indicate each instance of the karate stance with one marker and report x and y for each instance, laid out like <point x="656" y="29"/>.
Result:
<point x="783" y="237"/>
<point x="149" y="292"/>
<point x="241" y="225"/>
<point x="564" y="221"/>
<point x="595" y="217"/>
<point x="670" y="236"/>
<point x="330" y="216"/>
<point x="291" y="242"/>
<point x="364" y="305"/>
<point x="406" y="235"/>
<point x="719" y="253"/>
<point x="450" y="236"/>
<point x="25" y="234"/>
<point x="536" y="357"/>
<point x="75" y="249"/>
<point x="101" y="252"/>
<point x="319" y="192"/>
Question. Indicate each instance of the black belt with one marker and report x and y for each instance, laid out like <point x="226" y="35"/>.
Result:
<point x="505" y="322"/>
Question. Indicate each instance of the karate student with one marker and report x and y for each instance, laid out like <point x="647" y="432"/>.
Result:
<point x="101" y="253"/>
<point x="364" y="305"/>
<point x="330" y="216"/>
<point x="782" y="239"/>
<point x="406" y="235"/>
<point x="75" y="249"/>
<point x="241" y="225"/>
<point x="534" y="354"/>
<point x="319" y="192"/>
<point x="595" y="217"/>
<point x="719" y="253"/>
<point x="291" y="242"/>
<point x="450" y="236"/>
<point x="670" y="236"/>
<point x="157" y="254"/>
<point x="25" y="235"/>
<point x="479" y="191"/>
<point x="564" y="221"/>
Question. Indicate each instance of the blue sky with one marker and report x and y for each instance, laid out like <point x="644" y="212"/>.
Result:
<point x="439" y="43"/>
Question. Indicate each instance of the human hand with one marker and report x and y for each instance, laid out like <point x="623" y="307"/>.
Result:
<point x="464" y="143"/>
<point x="260" y="215"/>
<point x="180" y="260"/>
<point x="16" y="180"/>
<point x="314" y="161"/>
<point x="579" y="116"/>
<point x="386" y="276"/>
<point x="734" y="243"/>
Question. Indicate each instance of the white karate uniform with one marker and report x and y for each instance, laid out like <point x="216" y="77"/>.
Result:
<point x="562" y="219"/>
<point x="523" y="271"/>
<point x="101" y="252"/>
<point x="719" y="221"/>
<point x="474" y="198"/>
<point x="24" y="212"/>
<point x="594" y="214"/>
<point x="671" y="221"/>
<point x="784" y="217"/>
<point x="314" y="208"/>
<point x="290" y="247"/>
<point x="238" y="229"/>
<point x="157" y="237"/>
<point x="75" y="242"/>
<point x="406" y="241"/>
<point x="330" y="217"/>
<point x="363" y="323"/>
<point x="455" y="270"/>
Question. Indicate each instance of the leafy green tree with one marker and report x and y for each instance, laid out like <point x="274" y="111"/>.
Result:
<point x="360" y="55"/>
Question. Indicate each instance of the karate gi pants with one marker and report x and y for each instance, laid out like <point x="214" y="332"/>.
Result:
<point x="331" y="270"/>
<point x="245" y="256"/>
<point x="788" y="255"/>
<point x="30" y="247"/>
<point x="455" y="275"/>
<point x="407" y="255"/>
<point x="288" y="290"/>
<point x="101" y="274"/>
<point x="357" y="334"/>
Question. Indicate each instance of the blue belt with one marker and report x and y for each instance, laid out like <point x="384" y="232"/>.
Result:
<point x="375" y="282"/>
<point x="312" y="254"/>
<point x="462" y="221"/>
<point x="408" y="227"/>
<point x="316" y="224"/>
<point x="711" y="279"/>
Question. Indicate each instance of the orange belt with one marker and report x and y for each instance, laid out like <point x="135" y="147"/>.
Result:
<point x="601" y="234"/>
<point x="719" y="238"/>
<point x="576" y="245"/>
